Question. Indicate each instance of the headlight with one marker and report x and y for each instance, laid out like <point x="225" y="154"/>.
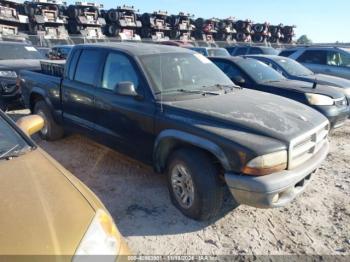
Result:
<point x="347" y="91"/>
<point x="319" y="100"/>
<point x="8" y="74"/>
<point x="266" y="164"/>
<point x="101" y="238"/>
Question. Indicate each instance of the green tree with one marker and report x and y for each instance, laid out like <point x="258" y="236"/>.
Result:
<point x="304" y="40"/>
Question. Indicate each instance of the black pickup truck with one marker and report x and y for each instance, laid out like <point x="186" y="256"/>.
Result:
<point x="174" y="109"/>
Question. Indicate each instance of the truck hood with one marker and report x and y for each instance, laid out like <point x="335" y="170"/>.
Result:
<point x="329" y="80"/>
<point x="42" y="213"/>
<point x="306" y="87"/>
<point x="252" y="111"/>
<point x="19" y="64"/>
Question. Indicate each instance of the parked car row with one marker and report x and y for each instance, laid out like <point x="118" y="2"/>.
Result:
<point x="206" y="123"/>
<point x="52" y="19"/>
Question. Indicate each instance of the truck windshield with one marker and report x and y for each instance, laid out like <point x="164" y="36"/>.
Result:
<point x="16" y="51"/>
<point x="11" y="143"/>
<point x="260" y="72"/>
<point x="171" y="72"/>
<point x="293" y="68"/>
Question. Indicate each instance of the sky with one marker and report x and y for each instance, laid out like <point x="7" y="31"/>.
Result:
<point x="323" y="21"/>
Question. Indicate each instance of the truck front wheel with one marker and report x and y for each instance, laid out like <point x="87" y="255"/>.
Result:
<point x="51" y="130"/>
<point x="194" y="184"/>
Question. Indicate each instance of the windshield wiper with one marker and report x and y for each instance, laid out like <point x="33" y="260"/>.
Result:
<point x="227" y="88"/>
<point x="11" y="153"/>
<point x="202" y="92"/>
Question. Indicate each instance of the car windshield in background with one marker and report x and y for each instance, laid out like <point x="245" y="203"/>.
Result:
<point x="270" y="51"/>
<point x="14" y="51"/>
<point x="10" y="140"/>
<point x="171" y="72"/>
<point x="293" y="68"/>
<point x="259" y="71"/>
<point x="218" y="52"/>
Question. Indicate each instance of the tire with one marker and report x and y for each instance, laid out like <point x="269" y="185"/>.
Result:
<point x="72" y="12"/>
<point x="174" y="34"/>
<point x="112" y="15"/>
<point x="3" y="105"/>
<point x="51" y="131"/>
<point x="146" y="20"/>
<point x="199" y="23"/>
<point x="202" y="184"/>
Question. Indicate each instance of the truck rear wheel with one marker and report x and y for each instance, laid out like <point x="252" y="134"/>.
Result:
<point x="194" y="184"/>
<point x="51" y="130"/>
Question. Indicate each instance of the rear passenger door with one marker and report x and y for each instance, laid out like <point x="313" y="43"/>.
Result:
<point x="124" y="122"/>
<point x="78" y="88"/>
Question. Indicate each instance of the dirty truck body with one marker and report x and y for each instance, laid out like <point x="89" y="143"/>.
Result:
<point x="255" y="143"/>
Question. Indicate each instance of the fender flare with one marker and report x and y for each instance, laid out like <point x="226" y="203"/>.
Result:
<point x="160" y="157"/>
<point x="39" y="91"/>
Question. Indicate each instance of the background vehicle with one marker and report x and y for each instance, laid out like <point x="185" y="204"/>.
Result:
<point x="322" y="60"/>
<point x="260" y="33"/>
<point x="181" y="26"/>
<point x="60" y="52"/>
<point x="210" y="51"/>
<point x="253" y="50"/>
<point x="122" y="22"/>
<point x="15" y="56"/>
<point x="178" y="112"/>
<point x="178" y="43"/>
<point x="11" y="21"/>
<point x="244" y="30"/>
<point x="291" y="69"/>
<point x="155" y="26"/>
<point x="250" y="73"/>
<point x="36" y="187"/>
<point x="84" y="19"/>
<point x="226" y="30"/>
<point x="46" y="19"/>
<point x="206" y="29"/>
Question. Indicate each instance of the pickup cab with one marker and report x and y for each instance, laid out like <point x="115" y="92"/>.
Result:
<point x="174" y="109"/>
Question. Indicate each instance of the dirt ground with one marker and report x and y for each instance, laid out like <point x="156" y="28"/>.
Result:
<point x="317" y="222"/>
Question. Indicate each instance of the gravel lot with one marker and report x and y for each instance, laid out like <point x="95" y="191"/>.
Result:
<point x="317" y="222"/>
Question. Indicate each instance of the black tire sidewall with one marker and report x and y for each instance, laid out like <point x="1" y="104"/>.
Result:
<point x="208" y="191"/>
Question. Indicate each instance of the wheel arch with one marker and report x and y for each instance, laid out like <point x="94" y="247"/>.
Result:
<point x="170" y="140"/>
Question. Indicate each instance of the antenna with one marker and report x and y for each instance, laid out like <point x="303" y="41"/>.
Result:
<point x="161" y="80"/>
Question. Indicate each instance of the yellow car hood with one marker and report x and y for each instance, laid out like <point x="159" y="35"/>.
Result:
<point x="42" y="210"/>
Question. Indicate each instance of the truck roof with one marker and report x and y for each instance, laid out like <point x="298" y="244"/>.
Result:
<point x="139" y="49"/>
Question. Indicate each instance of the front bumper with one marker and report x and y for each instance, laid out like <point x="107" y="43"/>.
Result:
<point x="277" y="189"/>
<point x="12" y="100"/>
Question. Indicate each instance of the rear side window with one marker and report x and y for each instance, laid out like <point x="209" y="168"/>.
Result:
<point x="286" y="53"/>
<point x="118" y="68"/>
<point x="72" y="64"/>
<point x="255" y="51"/>
<point x="313" y="57"/>
<point x="88" y="66"/>
<point x="241" y="51"/>
<point x="231" y="50"/>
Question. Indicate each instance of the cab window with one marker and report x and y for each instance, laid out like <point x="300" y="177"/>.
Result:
<point x="118" y="68"/>
<point x="88" y="65"/>
<point x="313" y="57"/>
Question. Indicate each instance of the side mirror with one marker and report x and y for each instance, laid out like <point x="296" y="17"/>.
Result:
<point x="125" y="89"/>
<point x="30" y="124"/>
<point x="238" y="80"/>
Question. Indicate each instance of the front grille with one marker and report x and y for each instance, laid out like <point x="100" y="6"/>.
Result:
<point x="341" y="102"/>
<point x="304" y="147"/>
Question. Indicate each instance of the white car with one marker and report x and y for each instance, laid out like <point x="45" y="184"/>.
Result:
<point x="323" y="60"/>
